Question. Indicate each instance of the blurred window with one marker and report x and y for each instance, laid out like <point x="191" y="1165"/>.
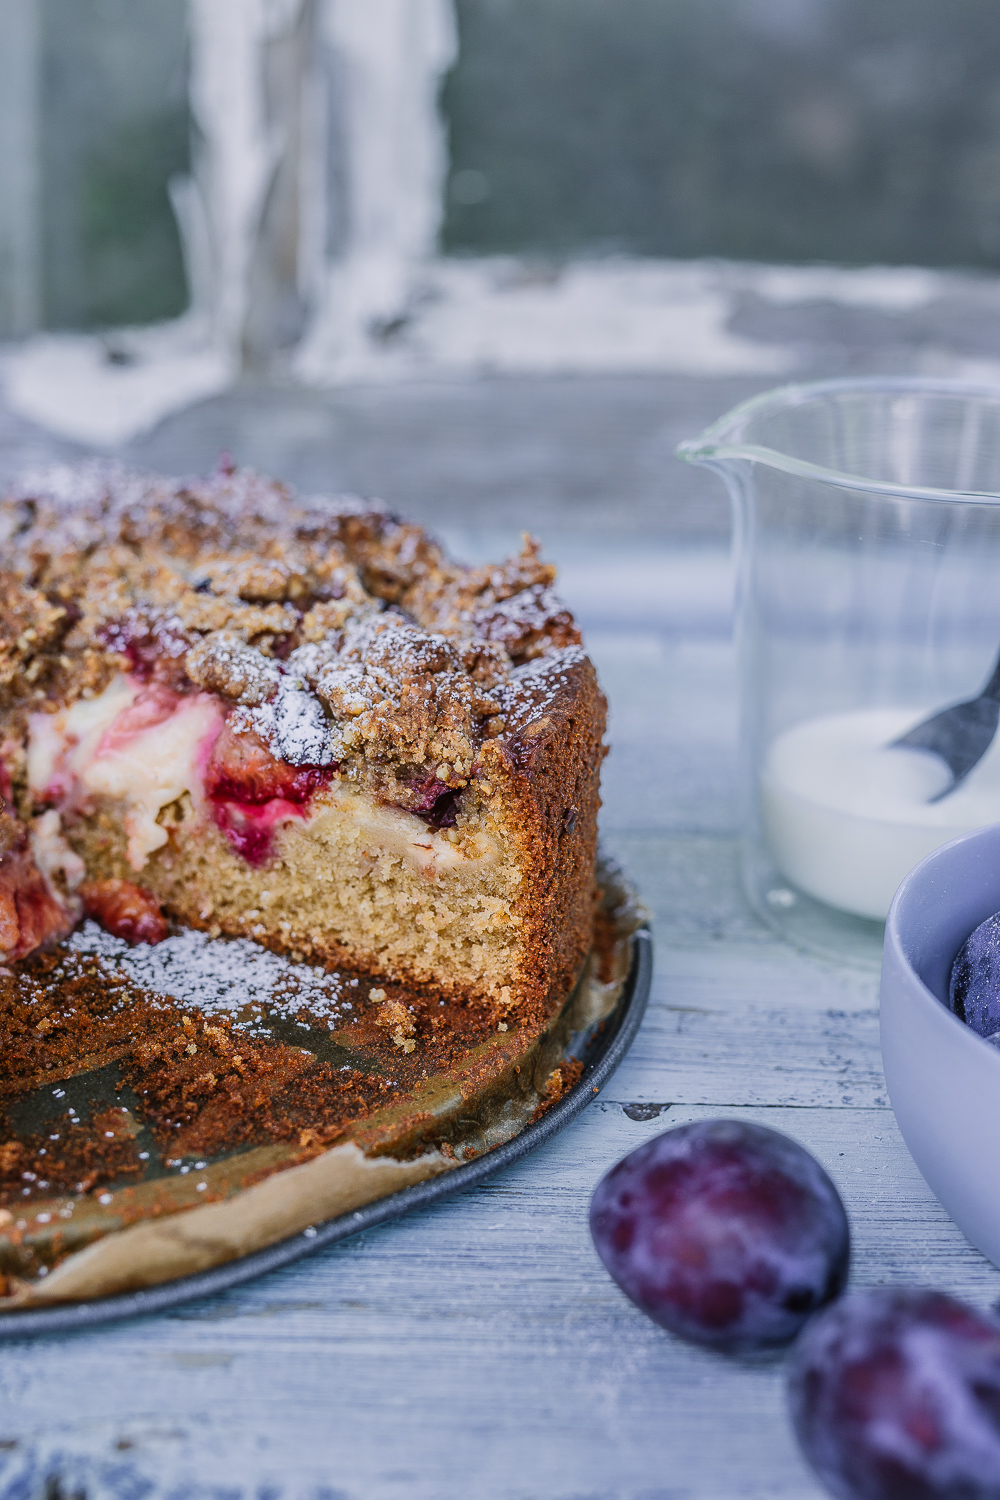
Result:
<point x="782" y="130"/>
<point x="93" y="124"/>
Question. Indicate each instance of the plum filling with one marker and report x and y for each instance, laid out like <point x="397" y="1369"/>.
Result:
<point x="242" y="769"/>
<point x="251" y="792"/>
<point x="249" y="828"/>
<point x="124" y="910"/>
<point x="444" y="813"/>
<point x="433" y="801"/>
<point x="152" y="648"/>
<point x="30" y="915"/>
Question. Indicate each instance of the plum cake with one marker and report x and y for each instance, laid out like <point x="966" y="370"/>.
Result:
<point x="299" y="722"/>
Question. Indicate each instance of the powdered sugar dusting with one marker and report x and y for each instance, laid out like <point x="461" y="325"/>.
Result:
<point x="536" y="689"/>
<point x="537" y="683"/>
<point x="216" y="975"/>
<point x="550" y="666"/>
<point x="293" y="726"/>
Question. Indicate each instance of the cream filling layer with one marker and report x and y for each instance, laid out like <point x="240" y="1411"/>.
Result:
<point x="377" y="830"/>
<point x="140" y="746"/>
<point x="53" y="855"/>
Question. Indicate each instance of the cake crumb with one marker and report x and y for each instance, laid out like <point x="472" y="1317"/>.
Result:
<point x="398" y="1022"/>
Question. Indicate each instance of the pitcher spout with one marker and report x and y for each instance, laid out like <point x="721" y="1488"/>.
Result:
<point x="865" y="435"/>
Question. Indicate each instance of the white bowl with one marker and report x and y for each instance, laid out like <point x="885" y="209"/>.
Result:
<point x="944" y="1079"/>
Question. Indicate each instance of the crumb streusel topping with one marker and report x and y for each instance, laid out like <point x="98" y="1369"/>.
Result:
<point x="340" y="634"/>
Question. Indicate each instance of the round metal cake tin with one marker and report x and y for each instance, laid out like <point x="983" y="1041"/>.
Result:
<point x="603" y="1053"/>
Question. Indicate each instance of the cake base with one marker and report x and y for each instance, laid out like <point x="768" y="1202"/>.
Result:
<point x="306" y="1152"/>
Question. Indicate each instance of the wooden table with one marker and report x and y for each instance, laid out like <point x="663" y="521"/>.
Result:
<point x="478" y="1351"/>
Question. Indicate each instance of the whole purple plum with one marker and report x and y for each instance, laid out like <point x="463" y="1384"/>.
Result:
<point x="728" y="1234"/>
<point x="895" y="1395"/>
<point x="974" y="992"/>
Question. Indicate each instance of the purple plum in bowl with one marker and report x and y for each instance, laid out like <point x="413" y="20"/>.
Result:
<point x="974" y="989"/>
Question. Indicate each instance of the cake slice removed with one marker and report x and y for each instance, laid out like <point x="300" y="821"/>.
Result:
<point x="299" y="723"/>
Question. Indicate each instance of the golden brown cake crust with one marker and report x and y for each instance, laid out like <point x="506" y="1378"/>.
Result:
<point x="548" y="764"/>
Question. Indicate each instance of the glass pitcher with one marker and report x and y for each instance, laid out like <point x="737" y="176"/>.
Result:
<point x="867" y="536"/>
